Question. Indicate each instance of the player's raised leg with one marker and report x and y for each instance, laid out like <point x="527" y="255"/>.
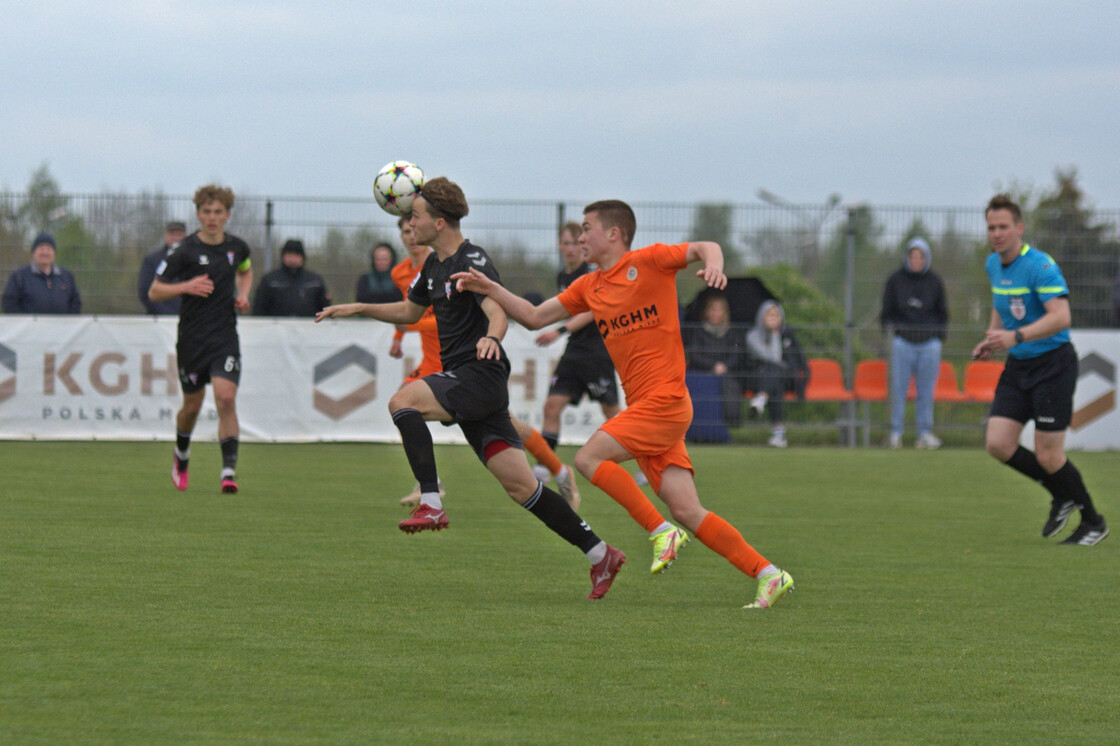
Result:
<point x="598" y="461"/>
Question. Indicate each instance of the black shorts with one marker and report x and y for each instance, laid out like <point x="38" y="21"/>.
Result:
<point x="1038" y="388"/>
<point x="198" y="364"/>
<point x="576" y="376"/>
<point x="477" y="396"/>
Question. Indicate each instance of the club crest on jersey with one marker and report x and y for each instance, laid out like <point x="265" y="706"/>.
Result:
<point x="1018" y="309"/>
<point x="204" y="259"/>
<point x="229" y="255"/>
<point x="632" y="274"/>
<point x="447" y="288"/>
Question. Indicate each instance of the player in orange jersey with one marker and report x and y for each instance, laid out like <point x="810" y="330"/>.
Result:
<point x="633" y="298"/>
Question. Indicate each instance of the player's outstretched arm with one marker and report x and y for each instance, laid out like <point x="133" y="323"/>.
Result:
<point x="711" y="255"/>
<point x="519" y="309"/>
<point x="401" y="312"/>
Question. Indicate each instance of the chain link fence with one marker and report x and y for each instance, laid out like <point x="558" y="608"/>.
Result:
<point x="802" y="252"/>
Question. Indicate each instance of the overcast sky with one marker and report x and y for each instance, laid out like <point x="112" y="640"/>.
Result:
<point x="903" y="102"/>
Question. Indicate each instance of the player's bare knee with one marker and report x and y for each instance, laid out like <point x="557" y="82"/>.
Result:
<point x="586" y="463"/>
<point x="1000" y="450"/>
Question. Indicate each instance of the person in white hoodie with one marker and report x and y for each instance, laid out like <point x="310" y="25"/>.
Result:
<point x="775" y="365"/>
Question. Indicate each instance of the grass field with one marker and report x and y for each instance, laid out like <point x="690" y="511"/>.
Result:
<point x="927" y="609"/>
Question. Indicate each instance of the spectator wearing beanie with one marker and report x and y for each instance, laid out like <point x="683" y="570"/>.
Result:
<point x="291" y="290"/>
<point x="42" y="287"/>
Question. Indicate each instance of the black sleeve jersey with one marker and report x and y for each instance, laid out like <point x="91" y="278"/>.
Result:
<point x="211" y="319"/>
<point x="459" y="316"/>
<point x="587" y="341"/>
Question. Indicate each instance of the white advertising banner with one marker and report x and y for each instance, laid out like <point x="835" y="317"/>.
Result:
<point x="115" y="378"/>
<point x="1096" y="420"/>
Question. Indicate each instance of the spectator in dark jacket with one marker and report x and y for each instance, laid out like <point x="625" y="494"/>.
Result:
<point x="715" y="347"/>
<point x="291" y="290"/>
<point x="377" y="286"/>
<point x="775" y="366"/>
<point x="41" y="287"/>
<point x="172" y="234"/>
<point x="915" y="308"/>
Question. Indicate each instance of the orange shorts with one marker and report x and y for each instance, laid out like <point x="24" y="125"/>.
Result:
<point x="653" y="431"/>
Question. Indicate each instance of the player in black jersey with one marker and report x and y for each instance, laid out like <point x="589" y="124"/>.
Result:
<point x="211" y="270"/>
<point x="472" y="390"/>
<point x="585" y="368"/>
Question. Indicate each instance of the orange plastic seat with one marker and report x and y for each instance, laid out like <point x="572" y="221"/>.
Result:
<point x="946" y="388"/>
<point x="980" y="379"/>
<point x="826" y="381"/>
<point x="871" y="382"/>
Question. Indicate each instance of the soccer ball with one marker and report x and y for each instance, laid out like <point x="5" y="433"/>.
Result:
<point x="396" y="185"/>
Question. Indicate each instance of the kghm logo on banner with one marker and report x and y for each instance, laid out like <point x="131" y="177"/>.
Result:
<point x="337" y="408"/>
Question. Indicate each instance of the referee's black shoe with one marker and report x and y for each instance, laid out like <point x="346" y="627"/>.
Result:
<point x="1088" y="534"/>
<point x="1059" y="514"/>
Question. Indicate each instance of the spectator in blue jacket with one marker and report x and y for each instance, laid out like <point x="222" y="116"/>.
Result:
<point x="42" y="286"/>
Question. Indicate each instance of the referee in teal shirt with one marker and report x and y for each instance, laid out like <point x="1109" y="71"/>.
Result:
<point x="1031" y="320"/>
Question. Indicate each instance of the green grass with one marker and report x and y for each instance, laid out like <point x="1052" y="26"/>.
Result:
<point x="927" y="610"/>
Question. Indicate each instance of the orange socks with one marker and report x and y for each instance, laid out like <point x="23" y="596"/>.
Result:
<point x="536" y="445"/>
<point x="617" y="482"/>
<point x="723" y="539"/>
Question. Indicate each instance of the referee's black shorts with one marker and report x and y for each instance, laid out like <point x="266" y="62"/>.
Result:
<point x="1038" y="388"/>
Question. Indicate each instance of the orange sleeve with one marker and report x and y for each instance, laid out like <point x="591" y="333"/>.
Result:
<point x="572" y="299"/>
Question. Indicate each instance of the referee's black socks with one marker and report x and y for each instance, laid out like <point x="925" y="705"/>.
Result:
<point x="1067" y="482"/>
<point x="1025" y="462"/>
<point x="1064" y="484"/>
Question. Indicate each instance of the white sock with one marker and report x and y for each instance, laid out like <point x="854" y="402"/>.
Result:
<point x="597" y="552"/>
<point x="432" y="500"/>
<point x="183" y="455"/>
<point x="768" y="571"/>
<point x="563" y="473"/>
<point x="227" y="472"/>
<point x="665" y="526"/>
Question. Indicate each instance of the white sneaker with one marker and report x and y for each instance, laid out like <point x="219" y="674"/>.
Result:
<point x="895" y="441"/>
<point x="777" y="439"/>
<point x="541" y="472"/>
<point x="927" y="442"/>
<point x="758" y="403"/>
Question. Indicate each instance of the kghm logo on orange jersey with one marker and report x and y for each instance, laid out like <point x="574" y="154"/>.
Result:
<point x="628" y="322"/>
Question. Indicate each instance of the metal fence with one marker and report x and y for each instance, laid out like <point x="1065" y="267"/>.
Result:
<point x="843" y="252"/>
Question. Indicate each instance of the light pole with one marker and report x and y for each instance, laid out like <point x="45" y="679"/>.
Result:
<point x="811" y="218"/>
